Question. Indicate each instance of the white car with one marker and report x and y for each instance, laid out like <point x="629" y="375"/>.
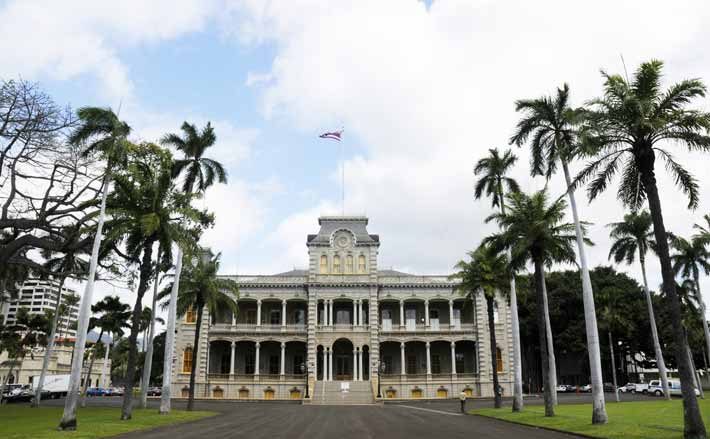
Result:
<point x="656" y="389"/>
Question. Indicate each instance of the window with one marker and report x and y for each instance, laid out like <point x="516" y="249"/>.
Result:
<point x="349" y="264"/>
<point x="361" y="264"/>
<point x="323" y="264"/>
<point x="336" y="264"/>
<point x="435" y="364"/>
<point x="411" y="364"/>
<point x="342" y="317"/>
<point x="190" y="316"/>
<point x="499" y="360"/>
<point x="275" y="317"/>
<point x="249" y="364"/>
<point x="273" y="364"/>
<point x="187" y="360"/>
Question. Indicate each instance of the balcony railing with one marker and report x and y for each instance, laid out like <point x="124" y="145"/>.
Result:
<point x="342" y="327"/>
<point x="252" y="377"/>
<point x="397" y="377"/>
<point x="420" y="327"/>
<point x="264" y="327"/>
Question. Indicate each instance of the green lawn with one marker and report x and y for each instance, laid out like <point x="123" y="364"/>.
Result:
<point x="23" y="422"/>
<point x="641" y="419"/>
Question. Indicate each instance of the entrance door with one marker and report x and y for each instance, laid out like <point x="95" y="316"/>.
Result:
<point x="457" y="319"/>
<point x="386" y="320"/>
<point x="434" y="319"/>
<point x="343" y="366"/>
<point x="411" y="315"/>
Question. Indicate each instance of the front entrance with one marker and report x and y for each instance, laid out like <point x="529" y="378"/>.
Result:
<point x="343" y="360"/>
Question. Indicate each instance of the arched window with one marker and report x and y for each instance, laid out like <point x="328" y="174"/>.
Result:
<point x="349" y="264"/>
<point x="190" y="316"/>
<point x="499" y="360"/>
<point x="361" y="264"/>
<point x="187" y="360"/>
<point x="336" y="264"/>
<point x="323" y="264"/>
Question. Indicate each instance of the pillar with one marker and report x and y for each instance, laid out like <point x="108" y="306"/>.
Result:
<point x="426" y="313"/>
<point x="256" y="360"/>
<point x="234" y="319"/>
<point x="330" y="365"/>
<point x="401" y="313"/>
<point x="234" y="354"/>
<point x="354" y="312"/>
<point x="428" y="359"/>
<point x="283" y="358"/>
<point x="360" y="375"/>
<point x="451" y="313"/>
<point x="403" y="369"/>
<point x="258" y="314"/>
<point x="283" y="312"/>
<point x="453" y="358"/>
<point x="329" y="314"/>
<point x="355" y="352"/>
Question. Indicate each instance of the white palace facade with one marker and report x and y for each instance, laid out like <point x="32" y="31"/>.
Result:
<point x="341" y="324"/>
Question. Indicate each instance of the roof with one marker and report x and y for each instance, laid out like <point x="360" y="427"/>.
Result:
<point x="293" y="273"/>
<point x="357" y="225"/>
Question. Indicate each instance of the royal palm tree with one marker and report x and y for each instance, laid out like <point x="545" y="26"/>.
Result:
<point x="550" y="123"/>
<point x="533" y="230"/>
<point x="103" y="134"/>
<point x="624" y="131"/>
<point x="487" y="272"/>
<point x="635" y="235"/>
<point x="493" y="181"/>
<point x="199" y="173"/>
<point x="113" y="317"/>
<point x="201" y="289"/>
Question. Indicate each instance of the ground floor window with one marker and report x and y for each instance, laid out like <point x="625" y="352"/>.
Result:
<point x="459" y="362"/>
<point x="435" y="364"/>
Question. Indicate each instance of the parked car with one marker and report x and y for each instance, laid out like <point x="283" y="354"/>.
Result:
<point x="155" y="391"/>
<point x="114" y="391"/>
<point x="17" y="393"/>
<point x="609" y="387"/>
<point x="673" y="388"/>
<point x="95" y="391"/>
<point x="561" y="388"/>
<point x="586" y="388"/>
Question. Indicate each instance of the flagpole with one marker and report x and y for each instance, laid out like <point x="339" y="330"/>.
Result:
<point x="342" y="170"/>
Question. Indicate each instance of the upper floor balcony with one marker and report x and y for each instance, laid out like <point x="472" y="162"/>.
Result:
<point x="269" y="315"/>
<point x="426" y="315"/>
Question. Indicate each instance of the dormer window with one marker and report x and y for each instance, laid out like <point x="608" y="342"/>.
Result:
<point x="361" y="264"/>
<point x="324" y="264"/>
<point x="336" y="264"/>
<point x="349" y="264"/>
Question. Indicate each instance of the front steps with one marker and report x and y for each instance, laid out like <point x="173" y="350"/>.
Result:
<point x="330" y="393"/>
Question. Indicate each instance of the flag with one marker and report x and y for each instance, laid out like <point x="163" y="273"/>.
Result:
<point x="335" y="135"/>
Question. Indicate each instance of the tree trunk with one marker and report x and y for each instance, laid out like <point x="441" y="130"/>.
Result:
<point x="148" y="359"/>
<point x="50" y="344"/>
<point x="498" y="401"/>
<point x="552" y="371"/>
<point x="599" y="415"/>
<point x="545" y="359"/>
<point x="68" y="421"/>
<point x="694" y="428"/>
<point x="170" y="338"/>
<point x="613" y="368"/>
<point x="145" y="273"/>
<point x="87" y="380"/>
<point x="662" y="371"/>
<point x="701" y="301"/>
<point x="195" y="348"/>
<point x="7" y="378"/>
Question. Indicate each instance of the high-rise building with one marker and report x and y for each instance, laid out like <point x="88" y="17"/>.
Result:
<point x="38" y="296"/>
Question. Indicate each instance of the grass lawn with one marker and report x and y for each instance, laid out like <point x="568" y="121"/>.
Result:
<point x="639" y="419"/>
<point x="23" y="422"/>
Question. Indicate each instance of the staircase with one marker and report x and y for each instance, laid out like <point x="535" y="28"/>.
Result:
<point x="330" y="393"/>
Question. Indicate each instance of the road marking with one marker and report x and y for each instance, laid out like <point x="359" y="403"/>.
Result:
<point x="427" y="410"/>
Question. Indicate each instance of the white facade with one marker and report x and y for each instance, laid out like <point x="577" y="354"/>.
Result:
<point x="38" y="296"/>
<point x="344" y="319"/>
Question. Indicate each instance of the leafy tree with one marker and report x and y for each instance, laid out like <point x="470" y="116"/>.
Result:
<point x="624" y="131"/>
<point x="550" y="122"/>
<point x="533" y="231"/>
<point x="493" y="170"/>
<point x="28" y="332"/>
<point x="488" y="272"/>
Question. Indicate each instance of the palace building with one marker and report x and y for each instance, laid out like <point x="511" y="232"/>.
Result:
<point x="341" y="324"/>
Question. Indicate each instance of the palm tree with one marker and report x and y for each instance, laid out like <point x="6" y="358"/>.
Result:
<point x="199" y="174"/>
<point x="487" y="271"/>
<point x="690" y="258"/>
<point x="635" y="234"/>
<point x="551" y="124"/>
<point x="113" y="318"/>
<point x="104" y="134"/>
<point x="623" y="132"/>
<point x="148" y="324"/>
<point x="200" y="290"/>
<point x="493" y="170"/>
<point x="533" y="231"/>
<point x="703" y="231"/>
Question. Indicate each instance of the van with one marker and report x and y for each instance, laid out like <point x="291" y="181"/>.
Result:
<point x="673" y="387"/>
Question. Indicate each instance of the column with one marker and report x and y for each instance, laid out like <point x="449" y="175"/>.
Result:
<point x="403" y="370"/>
<point x="256" y="359"/>
<point x="329" y="314"/>
<point x="401" y="313"/>
<point x="360" y="375"/>
<point x="283" y="359"/>
<point x="426" y="314"/>
<point x="258" y="313"/>
<point x="453" y="358"/>
<point x="330" y="365"/>
<point x="234" y="355"/>
<point x="451" y="313"/>
<point x="428" y="358"/>
<point x="234" y="319"/>
<point x="283" y="312"/>
<point x="354" y="312"/>
<point x="355" y="352"/>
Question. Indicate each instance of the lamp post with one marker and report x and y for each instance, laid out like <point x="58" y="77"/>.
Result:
<point x="382" y="367"/>
<point x="304" y="369"/>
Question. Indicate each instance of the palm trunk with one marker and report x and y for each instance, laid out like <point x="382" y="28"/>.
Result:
<point x="545" y="360"/>
<point x="694" y="427"/>
<point x="662" y="371"/>
<point x="170" y="338"/>
<point x="701" y="301"/>
<point x="87" y="381"/>
<point x="552" y="370"/>
<point x="599" y="415"/>
<point x="68" y="421"/>
<point x="515" y="329"/>
<point x="696" y="376"/>
<point x="498" y="401"/>
<point x="50" y="344"/>
<point x="145" y="272"/>
<point x="195" y="348"/>
<point x="613" y="368"/>
<point x="148" y="360"/>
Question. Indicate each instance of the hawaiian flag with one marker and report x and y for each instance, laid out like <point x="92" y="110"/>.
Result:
<point x="335" y="135"/>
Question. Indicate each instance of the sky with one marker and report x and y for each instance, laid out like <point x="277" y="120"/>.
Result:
<point x="422" y="89"/>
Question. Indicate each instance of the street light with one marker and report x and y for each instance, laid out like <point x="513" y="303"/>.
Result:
<point x="381" y="369"/>
<point x="304" y="369"/>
